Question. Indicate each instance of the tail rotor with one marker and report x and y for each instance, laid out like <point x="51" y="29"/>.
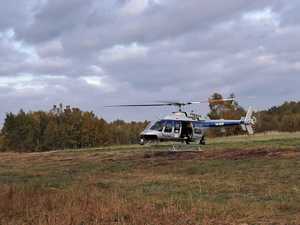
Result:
<point x="248" y="122"/>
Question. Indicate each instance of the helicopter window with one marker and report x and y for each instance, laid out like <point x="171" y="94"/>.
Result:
<point x="168" y="126"/>
<point x="197" y="128"/>
<point x="177" y="127"/>
<point x="157" y="126"/>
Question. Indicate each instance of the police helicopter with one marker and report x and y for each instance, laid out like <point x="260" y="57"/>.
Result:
<point x="187" y="127"/>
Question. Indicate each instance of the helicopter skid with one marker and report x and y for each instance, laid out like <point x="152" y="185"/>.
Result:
<point x="153" y="139"/>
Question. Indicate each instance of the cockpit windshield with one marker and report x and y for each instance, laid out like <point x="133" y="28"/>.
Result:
<point x="158" y="126"/>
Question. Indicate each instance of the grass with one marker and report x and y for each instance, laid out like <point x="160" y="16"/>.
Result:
<point x="236" y="180"/>
<point x="262" y="140"/>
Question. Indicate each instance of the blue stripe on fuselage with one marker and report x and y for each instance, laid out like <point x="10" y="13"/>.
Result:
<point x="220" y="123"/>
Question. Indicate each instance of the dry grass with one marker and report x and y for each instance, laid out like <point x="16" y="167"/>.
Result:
<point x="90" y="206"/>
<point x="125" y="186"/>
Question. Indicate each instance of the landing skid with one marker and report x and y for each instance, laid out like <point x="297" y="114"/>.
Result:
<point x="175" y="148"/>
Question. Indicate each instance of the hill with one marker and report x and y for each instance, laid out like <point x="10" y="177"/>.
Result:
<point x="231" y="181"/>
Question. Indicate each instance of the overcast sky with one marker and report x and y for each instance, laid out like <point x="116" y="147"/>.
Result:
<point x="92" y="53"/>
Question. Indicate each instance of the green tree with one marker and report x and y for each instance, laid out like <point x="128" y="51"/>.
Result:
<point x="19" y="132"/>
<point x="230" y="110"/>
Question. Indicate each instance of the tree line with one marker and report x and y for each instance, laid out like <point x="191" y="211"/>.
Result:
<point x="71" y="128"/>
<point x="64" y="128"/>
<point x="285" y="117"/>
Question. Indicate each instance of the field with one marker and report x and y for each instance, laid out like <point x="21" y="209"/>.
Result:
<point x="235" y="180"/>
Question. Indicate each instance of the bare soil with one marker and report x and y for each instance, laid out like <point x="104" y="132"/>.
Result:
<point x="236" y="154"/>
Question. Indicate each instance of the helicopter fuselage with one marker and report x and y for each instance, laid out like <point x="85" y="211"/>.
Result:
<point x="184" y="127"/>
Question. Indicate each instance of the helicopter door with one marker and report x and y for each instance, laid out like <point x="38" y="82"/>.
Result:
<point x="187" y="129"/>
<point x="168" y="129"/>
<point x="177" y="129"/>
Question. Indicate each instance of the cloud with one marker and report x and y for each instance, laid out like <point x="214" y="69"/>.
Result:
<point x="27" y="84"/>
<point x="94" y="53"/>
<point x="100" y="82"/>
<point x="263" y="17"/>
<point x="122" y="52"/>
<point x="134" y="7"/>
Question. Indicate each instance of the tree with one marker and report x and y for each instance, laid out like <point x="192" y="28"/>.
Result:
<point x="19" y="132"/>
<point x="225" y="110"/>
<point x="64" y="127"/>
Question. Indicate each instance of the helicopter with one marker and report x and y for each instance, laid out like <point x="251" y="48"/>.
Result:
<point x="181" y="126"/>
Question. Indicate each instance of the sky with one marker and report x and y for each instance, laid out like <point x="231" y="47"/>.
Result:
<point x="93" y="53"/>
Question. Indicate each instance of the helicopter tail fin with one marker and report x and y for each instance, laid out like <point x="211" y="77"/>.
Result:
<point x="249" y="129"/>
<point x="248" y="122"/>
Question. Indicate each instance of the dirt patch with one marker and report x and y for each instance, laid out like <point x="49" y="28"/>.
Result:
<point x="237" y="154"/>
<point x="156" y="156"/>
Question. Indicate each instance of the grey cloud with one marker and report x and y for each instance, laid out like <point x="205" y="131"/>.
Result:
<point x="91" y="53"/>
<point x="289" y="11"/>
<point x="85" y="26"/>
<point x="55" y="18"/>
<point x="12" y="12"/>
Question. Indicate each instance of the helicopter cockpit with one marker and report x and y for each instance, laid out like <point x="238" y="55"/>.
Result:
<point x="171" y="128"/>
<point x="158" y="126"/>
<point x="166" y="126"/>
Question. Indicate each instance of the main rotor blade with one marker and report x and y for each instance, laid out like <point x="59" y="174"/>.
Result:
<point x="213" y="101"/>
<point x="221" y="100"/>
<point x="140" y="105"/>
<point x="173" y="103"/>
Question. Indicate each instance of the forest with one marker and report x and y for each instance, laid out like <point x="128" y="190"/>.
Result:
<point x="71" y="128"/>
<point x="64" y="128"/>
